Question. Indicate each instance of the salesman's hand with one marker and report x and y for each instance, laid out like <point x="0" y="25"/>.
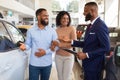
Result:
<point x="22" y="46"/>
<point x="40" y="53"/>
<point x="81" y="55"/>
<point x="110" y="55"/>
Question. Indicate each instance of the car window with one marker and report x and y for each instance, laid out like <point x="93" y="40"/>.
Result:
<point x="3" y="31"/>
<point x="6" y="42"/>
<point x="16" y="35"/>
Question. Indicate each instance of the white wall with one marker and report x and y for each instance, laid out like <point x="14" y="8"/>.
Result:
<point x="16" y="6"/>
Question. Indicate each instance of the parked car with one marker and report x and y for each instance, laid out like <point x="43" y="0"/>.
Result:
<point x="13" y="61"/>
<point x="23" y="28"/>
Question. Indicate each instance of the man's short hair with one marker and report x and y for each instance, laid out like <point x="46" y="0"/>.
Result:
<point x="91" y="4"/>
<point x="38" y="11"/>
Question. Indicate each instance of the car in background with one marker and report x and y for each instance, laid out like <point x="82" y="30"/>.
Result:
<point x="13" y="61"/>
<point x="24" y="28"/>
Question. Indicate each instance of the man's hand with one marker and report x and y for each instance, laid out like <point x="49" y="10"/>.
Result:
<point x="22" y="46"/>
<point x="81" y="55"/>
<point x="53" y="45"/>
<point x="40" y="53"/>
<point x="111" y="54"/>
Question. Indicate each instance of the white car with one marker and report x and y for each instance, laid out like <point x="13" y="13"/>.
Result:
<point x="13" y="61"/>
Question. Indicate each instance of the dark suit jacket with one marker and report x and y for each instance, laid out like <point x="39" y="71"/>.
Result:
<point x="96" y="43"/>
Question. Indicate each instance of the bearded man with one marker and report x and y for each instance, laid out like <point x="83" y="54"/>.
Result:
<point x="39" y="39"/>
<point x="95" y="45"/>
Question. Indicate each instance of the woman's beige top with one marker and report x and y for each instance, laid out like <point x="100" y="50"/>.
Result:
<point x="66" y="33"/>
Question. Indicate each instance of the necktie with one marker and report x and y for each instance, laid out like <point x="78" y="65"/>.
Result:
<point x="88" y="27"/>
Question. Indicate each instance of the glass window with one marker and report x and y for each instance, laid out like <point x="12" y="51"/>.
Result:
<point x="6" y="42"/>
<point x="111" y="13"/>
<point x="72" y="6"/>
<point x="15" y="34"/>
<point x="118" y="51"/>
<point x="108" y="10"/>
<point x="3" y="31"/>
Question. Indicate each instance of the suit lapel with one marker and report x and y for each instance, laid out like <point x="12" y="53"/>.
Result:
<point x="88" y="31"/>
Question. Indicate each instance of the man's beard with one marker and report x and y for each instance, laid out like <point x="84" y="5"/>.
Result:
<point x="44" y="22"/>
<point x="88" y="17"/>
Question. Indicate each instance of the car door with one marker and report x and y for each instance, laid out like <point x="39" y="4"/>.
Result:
<point x="13" y="61"/>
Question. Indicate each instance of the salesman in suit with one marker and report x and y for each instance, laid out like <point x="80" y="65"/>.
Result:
<point x="95" y="45"/>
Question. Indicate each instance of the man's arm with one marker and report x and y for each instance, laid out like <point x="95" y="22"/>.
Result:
<point x="54" y="45"/>
<point x="54" y="42"/>
<point x="76" y="43"/>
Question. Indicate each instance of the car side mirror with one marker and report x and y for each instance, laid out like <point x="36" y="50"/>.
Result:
<point x="117" y="55"/>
